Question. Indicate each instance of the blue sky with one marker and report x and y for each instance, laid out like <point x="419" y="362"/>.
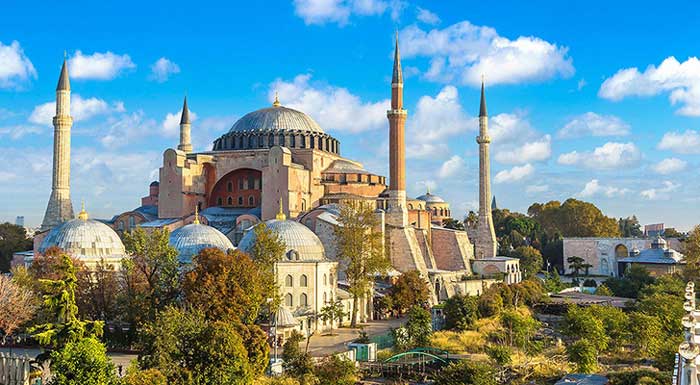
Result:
<point x="587" y="99"/>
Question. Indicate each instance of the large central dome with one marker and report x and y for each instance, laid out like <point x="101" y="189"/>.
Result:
<point x="276" y="118"/>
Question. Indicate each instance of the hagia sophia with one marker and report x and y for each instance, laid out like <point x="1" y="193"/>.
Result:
<point x="277" y="166"/>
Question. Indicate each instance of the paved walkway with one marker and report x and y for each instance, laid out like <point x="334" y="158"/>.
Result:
<point x="324" y="345"/>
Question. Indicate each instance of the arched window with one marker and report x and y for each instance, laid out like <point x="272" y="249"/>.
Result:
<point x="330" y="277"/>
<point x="240" y="201"/>
<point x="303" y="205"/>
<point x="120" y="226"/>
<point x="240" y="183"/>
<point x="303" y="300"/>
<point x="288" y="300"/>
<point x="289" y="281"/>
<point x="303" y="281"/>
<point x="325" y="298"/>
<point x="302" y="141"/>
<point x="251" y="200"/>
<point x="325" y="280"/>
<point x="410" y="206"/>
<point x="229" y="201"/>
<point x="435" y="211"/>
<point x="292" y="141"/>
<point x="270" y="141"/>
<point x="229" y="186"/>
<point x="132" y="222"/>
<point x="281" y="140"/>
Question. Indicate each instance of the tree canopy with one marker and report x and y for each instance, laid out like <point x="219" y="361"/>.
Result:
<point x="573" y="218"/>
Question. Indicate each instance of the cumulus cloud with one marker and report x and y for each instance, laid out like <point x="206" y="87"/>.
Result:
<point x="421" y="150"/>
<point x="660" y="193"/>
<point x="669" y="166"/>
<point x="81" y="109"/>
<point x="592" y="124"/>
<point x="123" y="129"/>
<point x="463" y="52"/>
<point x="334" y="108"/>
<point x="439" y="117"/>
<point x="451" y="166"/>
<point x="170" y="127"/>
<point x="15" y="66"/>
<point x="98" y="66"/>
<point x="537" y="189"/>
<point x="162" y="69"/>
<point x="608" y="156"/>
<point x="427" y="17"/>
<point x="515" y="174"/>
<point x="680" y="80"/>
<point x="528" y="152"/>
<point x="687" y="142"/>
<point x="339" y="11"/>
<point x="509" y="128"/>
<point x="594" y="188"/>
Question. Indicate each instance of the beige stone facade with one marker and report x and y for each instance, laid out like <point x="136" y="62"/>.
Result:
<point x="601" y="253"/>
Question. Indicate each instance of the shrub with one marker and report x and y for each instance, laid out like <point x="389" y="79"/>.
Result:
<point x="83" y="362"/>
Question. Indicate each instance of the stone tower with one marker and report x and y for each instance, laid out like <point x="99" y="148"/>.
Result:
<point x="60" y="208"/>
<point x="185" y="127"/>
<point x="396" y="213"/>
<point x="485" y="245"/>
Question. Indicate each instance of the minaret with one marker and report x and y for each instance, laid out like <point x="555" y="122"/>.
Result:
<point x="60" y="208"/>
<point x="397" y="214"/>
<point x="185" y="126"/>
<point x="485" y="245"/>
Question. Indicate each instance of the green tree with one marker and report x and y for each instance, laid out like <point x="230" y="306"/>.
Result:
<point x="333" y="311"/>
<point x="63" y="325"/>
<point x="584" y="354"/>
<point x="576" y="264"/>
<point x="297" y="363"/>
<point x="574" y="218"/>
<point x="360" y="246"/>
<point x="451" y="223"/>
<point x="225" y="286"/>
<point x="553" y="282"/>
<point x="82" y="362"/>
<point x="530" y="260"/>
<point x="603" y="291"/>
<point x="646" y="333"/>
<point x="466" y="372"/>
<point x="154" y="261"/>
<point x="13" y="238"/>
<point x="518" y="327"/>
<point x="461" y="312"/>
<point x="615" y="322"/>
<point x="636" y="278"/>
<point x="267" y="250"/>
<point x="580" y="323"/>
<point x="419" y="326"/>
<point x="691" y="249"/>
<point x="334" y="370"/>
<point x="409" y="290"/>
<point x="187" y="348"/>
<point x="630" y="227"/>
<point x="134" y="376"/>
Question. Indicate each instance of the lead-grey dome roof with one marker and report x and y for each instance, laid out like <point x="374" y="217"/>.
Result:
<point x="189" y="240"/>
<point x="85" y="238"/>
<point x="430" y="198"/>
<point x="301" y="243"/>
<point x="276" y="118"/>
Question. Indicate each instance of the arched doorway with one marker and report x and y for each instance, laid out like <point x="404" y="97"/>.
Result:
<point x="621" y="251"/>
<point x="238" y="188"/>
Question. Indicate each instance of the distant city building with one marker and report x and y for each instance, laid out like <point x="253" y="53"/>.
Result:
<point x="653" y="230"/>
<point x="19" y="221"/>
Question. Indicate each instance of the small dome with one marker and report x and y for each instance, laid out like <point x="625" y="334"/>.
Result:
<point x="276" y="118"/>
<point x="301" y="243"/>
<point x="85" y="238"/>
<point x="285" y="318"/>
<point x="345" y="166"/>
<point x="430" y="198"/>
<point x="191" y="239"/>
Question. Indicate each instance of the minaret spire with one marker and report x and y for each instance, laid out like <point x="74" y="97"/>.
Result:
<point x="185" y="128"/>
<point x="485" y="245"/>
<point x="398" y="216"/>
<point x="60" y="208"/>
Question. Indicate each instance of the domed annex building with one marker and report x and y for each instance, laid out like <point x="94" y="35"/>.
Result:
<point x="306" y="278"/>
<point x="190" y="239"/>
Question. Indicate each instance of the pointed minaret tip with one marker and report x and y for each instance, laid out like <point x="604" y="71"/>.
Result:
<point x="63" y="81"/>
<point x="185" y="118"/>
<point x="482" y="107"/>
<point x="397" y="76"/>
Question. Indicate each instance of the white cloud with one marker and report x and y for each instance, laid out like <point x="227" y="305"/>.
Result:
<point x="439" y="117"/>
<point x="339" y="11"/>
<point x="334" y="108"/>
<point x="528" y="152"/>
<point x="609" y="156"/>
<point x="121" y="130"/>
<point x="514" y="174"/>
<point x="581" y="83"/>
<point x="594" y="188"/>
<point x="162" y="69"/>
<point x="19" y="131"/>
<point x="81" y="109"/>
<point x="463" y="52"/>
<point x="170" y="127"/>
<point x="592" y="124"/>
<point x="7" y="176"/>
<point x="537" y="189"/>
<point x="451" y="166"/>
<point x="418" y="150"/>
<point x="427" y="17"/>
<point x="687" y="142"/>
<point x="509" y="127"/>
<point x="100" y="66"/>
<point x="660" y="193"/>
<point x="15" y="66"/>
<point x="681" y="80"/>
<point x="669" y="166"/>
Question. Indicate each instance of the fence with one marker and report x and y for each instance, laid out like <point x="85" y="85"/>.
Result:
<point x="14" y="370"/>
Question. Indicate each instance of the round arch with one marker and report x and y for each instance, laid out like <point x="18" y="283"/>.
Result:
<point x="237" y="184"/>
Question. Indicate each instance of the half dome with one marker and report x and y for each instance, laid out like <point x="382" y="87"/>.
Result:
<point x="189" y="240"/>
